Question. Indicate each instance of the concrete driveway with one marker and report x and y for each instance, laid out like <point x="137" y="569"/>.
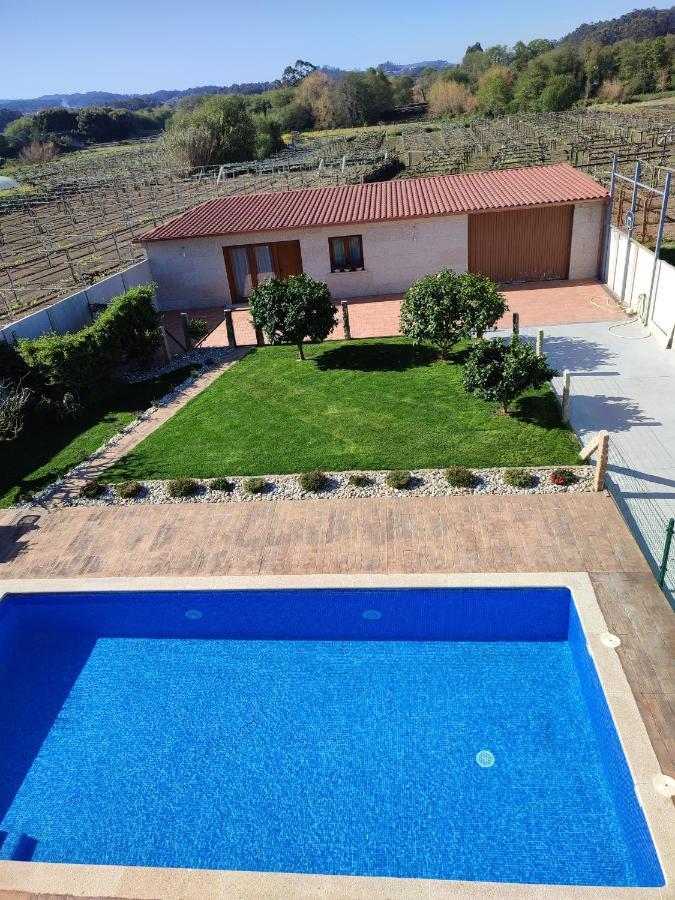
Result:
<point x="624" y="382"/>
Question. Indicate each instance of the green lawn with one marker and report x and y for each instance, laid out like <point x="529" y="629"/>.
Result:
<point x="46" y="449"/>
<point x="372" y="404"/>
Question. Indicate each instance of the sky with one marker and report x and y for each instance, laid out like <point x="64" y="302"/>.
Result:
<point x="140" y="46"/>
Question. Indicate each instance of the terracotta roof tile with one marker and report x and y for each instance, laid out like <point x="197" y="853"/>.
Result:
<point x="442" y="195"/>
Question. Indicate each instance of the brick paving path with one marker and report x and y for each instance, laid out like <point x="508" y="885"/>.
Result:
<point x="537" y="533"/>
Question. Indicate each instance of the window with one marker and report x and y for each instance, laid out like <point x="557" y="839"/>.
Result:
<point x="248" y="266"/>
<point x="346" y="253"/>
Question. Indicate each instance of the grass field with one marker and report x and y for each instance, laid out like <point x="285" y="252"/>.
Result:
<point x="372" y="404"/>
<point x="46" y="449"/>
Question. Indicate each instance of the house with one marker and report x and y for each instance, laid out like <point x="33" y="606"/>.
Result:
<point x="523" y="224"/>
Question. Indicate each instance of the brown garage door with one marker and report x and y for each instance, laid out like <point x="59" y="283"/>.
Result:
<point x="522" y="244"/>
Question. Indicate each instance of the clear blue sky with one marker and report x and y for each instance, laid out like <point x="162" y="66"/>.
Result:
<point x="138" y="46"/>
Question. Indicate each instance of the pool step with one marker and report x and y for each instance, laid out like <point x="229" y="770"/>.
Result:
<point x="17" y="846"/>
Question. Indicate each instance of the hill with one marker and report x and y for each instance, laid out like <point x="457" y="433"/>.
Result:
<point x="638" y="25"/>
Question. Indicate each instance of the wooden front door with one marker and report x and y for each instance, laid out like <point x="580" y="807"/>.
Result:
<point x="288" y="258"/>
<point x="521" y="245"/>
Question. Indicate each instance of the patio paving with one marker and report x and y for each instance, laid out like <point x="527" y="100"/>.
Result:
<point x="537" y="533"/>
<point x="623" y="381"/>
<point x="538" y="303"/>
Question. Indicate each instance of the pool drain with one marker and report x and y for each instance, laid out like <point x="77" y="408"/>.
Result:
<point x="372" y="614"/>
<point x="485" y="759"/>
<point x="193" y="614"/>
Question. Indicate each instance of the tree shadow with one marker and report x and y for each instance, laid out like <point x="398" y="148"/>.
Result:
<point x="382" y="357"/>
<point x="579" y="355"/>
<point x="613" y="414"/>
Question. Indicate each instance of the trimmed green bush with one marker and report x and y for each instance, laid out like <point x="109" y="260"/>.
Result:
<point x="183" y="487"/>
<point x="400" y="480"/>
<point x="313" y="481"/>
<point x="459" y="477"/>
<point x="519" y="478"/>
<point x="197" y="328"/>
<point x="563" y="477"/>
<point x="222" y="484"/>
<point x="358" y="480"/>
<point x="129" y="489"/>
<point x="255" y="485"/>
<point x="79" y="363"/>
<point x="91" y="489"/>
<point x="499" y="372"/>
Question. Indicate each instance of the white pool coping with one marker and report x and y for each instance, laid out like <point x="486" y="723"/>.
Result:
<point x="145" y="883"/>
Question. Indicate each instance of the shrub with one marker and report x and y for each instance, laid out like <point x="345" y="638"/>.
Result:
<point x="519" y="478"/>
<point x="255" y="485"/>
<point x="563" y="477"/>
<point x="91" y="490"/>
<point x="400" y="480"/>
<point x="499" y="372"/>
<point x="459" y="477"/>
<point x="182" y="487"/>
<point x="79" y="363"/>
<point x="359" y="480"/>
<point x="129" y="489"/>
<point x="197" y="328"/>
<point x="446" y="307"/>
<point x="38" y="152"/>
<point x="292" y="309"/>
<point x="313" y="481"/>
<point x="221" y="484"/>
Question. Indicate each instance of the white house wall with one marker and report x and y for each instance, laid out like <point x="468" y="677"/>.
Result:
<point x="191" y="273"/>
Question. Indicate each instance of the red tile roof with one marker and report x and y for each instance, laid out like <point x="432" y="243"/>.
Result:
<point x="442" y="195"/>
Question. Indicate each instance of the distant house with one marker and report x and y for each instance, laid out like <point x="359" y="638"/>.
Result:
<point x="525" y="224"/>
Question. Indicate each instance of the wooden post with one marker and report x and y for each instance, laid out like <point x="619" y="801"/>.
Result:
<point x="566" y="397"/>
<point x="540" y="342"/>
<point x="601" y="461"/>
<point x="516" y="324"/>
<point x="165" y="342"/>
<point x="186" y="331"/>
<point x="229" y="328"/>
<point x="345" y="320"/>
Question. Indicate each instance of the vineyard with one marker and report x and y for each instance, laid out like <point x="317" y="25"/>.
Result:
<point x="75" y="219"/>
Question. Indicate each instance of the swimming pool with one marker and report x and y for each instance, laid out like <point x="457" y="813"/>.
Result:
<point x="418" y="733"/>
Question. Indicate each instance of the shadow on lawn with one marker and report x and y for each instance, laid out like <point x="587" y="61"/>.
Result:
<point x="377" y="357"/>
<point x="540" y="409"/>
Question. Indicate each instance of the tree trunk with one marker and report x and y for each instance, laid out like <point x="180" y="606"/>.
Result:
<point x="301" y="352"/>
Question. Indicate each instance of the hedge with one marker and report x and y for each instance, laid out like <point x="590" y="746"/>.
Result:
<point x="79" y="362"/>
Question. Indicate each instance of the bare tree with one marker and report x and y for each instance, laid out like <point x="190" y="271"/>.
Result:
<point x="13" y="400"/>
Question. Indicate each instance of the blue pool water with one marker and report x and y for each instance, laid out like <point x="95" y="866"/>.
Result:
<point x="438" y="733"/>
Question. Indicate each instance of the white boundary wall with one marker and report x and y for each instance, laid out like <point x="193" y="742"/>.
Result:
<point x="73" y="313"/>
<point x="640" y="265"/>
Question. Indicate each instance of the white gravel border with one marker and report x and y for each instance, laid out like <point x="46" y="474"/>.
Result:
<point x="426" y="483"/>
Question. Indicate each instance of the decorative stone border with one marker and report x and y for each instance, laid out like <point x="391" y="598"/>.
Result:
<point x="426" y="483"/>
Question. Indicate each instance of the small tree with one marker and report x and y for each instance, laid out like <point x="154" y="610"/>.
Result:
<point x="292" y="309"/>
<point x="499" y="372"/>
<point x="445" y="307"/>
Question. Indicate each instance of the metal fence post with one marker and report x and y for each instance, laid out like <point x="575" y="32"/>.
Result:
<point x="670" y="527"/>
<point x="345" y="320"/>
